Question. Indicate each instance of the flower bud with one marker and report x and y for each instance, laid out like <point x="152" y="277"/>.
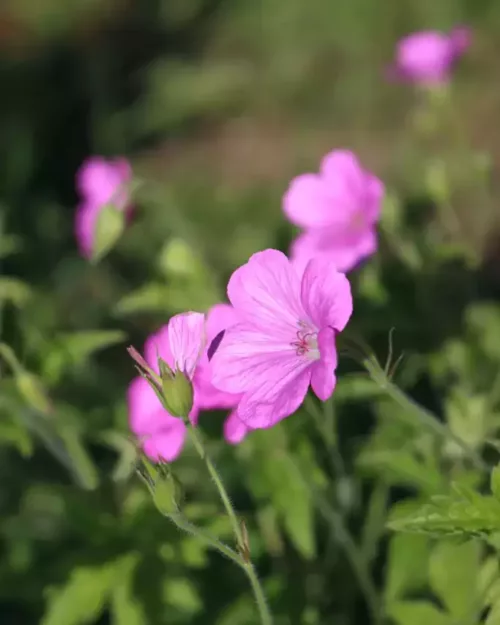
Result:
<point x="167" y="493"/>
<point x="177" y="391"/>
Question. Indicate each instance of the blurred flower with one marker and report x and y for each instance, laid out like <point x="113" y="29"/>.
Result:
<point x="284" y="338"/>
<point x="428" y="57"/>
<point x="338" y="209"/>
<point x="183" y="344"/>
<point x="100" y="183"/>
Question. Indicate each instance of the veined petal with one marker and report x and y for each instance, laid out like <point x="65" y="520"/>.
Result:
<point x="250" y="360"/>
<point x="158" y="344"/>
<point x="265" y="293"/>
<point x="323" y="371"/>
<point x="234" y="428"/>
<point x="326" y="294"/>
<point x="265" y="408"/>
<point x="187" y="339"/>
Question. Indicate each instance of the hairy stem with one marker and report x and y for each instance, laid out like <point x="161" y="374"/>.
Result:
<point x="243" y="556"/>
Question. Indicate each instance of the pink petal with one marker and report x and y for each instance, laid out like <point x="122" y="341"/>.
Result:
<point x="234" y="429"/>
<point x="265" y="293"/>
<point x="156" y="345"/>
<point x="85" y="221"/>
<point x="187" y="338"/>
<point x="220" y="317"/>
<point x="342" y="173"/>
<point x="99" y="180"/>
<point x="323" y="371"/>
<point x="167" y="444"/>
<point x="249" y="360"/>
<point x="260" y="410"/>
<point x="344" y="252"/>
<point x="306" y="202"/>
<point x="326" y="294"/>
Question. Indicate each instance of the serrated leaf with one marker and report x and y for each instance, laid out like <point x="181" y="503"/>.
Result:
<point x="82" y="598"/>
<point x="465" y="514"/>
<point x="407" y="565"/>
<point x="417" y="613"/>
<point x="453" y="575"/>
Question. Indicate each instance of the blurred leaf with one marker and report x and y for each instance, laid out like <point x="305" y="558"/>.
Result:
<point x="83" y="597"/>
<point x="403" y="468"/>
<point x="109" y="227"/>
<point x="81" y="462"/>
<point x="182" y="594"/>
<point x="9" y="244"/>
<point x="495" y="482"/>
<point x="73" y="349"/>
<point x="125" y="607"/>
<point x="14" y="291"/>
<point x="417" y="613"/>
<point x="407" y="566"/>
<point x="356" y="387"/>
<point x="453" y="575"/>
<point x="468" y="418"/>
<point x="152" y="297"/>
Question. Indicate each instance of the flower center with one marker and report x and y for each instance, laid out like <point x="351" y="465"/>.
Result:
<point x="306" y="342"/>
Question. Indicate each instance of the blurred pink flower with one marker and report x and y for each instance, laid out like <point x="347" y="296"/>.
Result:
<point x="284" y="338"/>
<point x="183" y="344"/>
<point x="428" y="57"/>
<point x="99" y="182"/>
<point x="338" y="209"/>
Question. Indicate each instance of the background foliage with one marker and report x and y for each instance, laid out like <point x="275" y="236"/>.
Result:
<point x="218" y="103"/>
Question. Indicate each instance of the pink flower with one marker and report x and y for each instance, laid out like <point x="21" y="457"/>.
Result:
<point x="284" y="339"/>
<point x="99" y="182"/>
<point x="338" y="209"/>
<point x="428" y="57"/>
<point x="182" y="344"/>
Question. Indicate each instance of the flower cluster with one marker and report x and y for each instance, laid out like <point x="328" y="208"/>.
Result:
<point x="258" y="355"/>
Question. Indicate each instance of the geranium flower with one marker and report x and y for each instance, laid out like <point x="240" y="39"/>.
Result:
<point x="284" y="339"/>
<point x="99" y="182"/>
<point x="182" y="344"/>
<point x="428" y="57"/>
<point x="338" y="208"/>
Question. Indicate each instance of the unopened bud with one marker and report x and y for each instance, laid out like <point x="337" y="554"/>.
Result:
<point x="177" y="391"/>
<point x="167" y="493"/>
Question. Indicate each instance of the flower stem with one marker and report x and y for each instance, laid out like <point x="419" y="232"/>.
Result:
<point x="379" y="376"/>
<point x="183" y="524"/>
<point x="243" y="555"/>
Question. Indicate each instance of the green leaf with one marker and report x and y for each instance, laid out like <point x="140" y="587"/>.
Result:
<point x="495" y="482"/>
<point x="417" y="613"/>
<point x="182" y="594"/>
<point x="73" y="349"/>
<point x="356" y="387"/>
<point x="464" y="513"/>
<point x="407" y="565"/>
<point x="453" y="575"/>
<point x="126" y="609"/>
<point x="401" y="467"/>
<point x="152" y="297"/>
<point x="109" y="227"/>
<point x="14" y="291"/>
<point x="82" y="464"/>
<point x="82" y="598"/>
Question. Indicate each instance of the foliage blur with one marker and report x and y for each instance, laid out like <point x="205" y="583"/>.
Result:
<point x="218" y="103"/>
